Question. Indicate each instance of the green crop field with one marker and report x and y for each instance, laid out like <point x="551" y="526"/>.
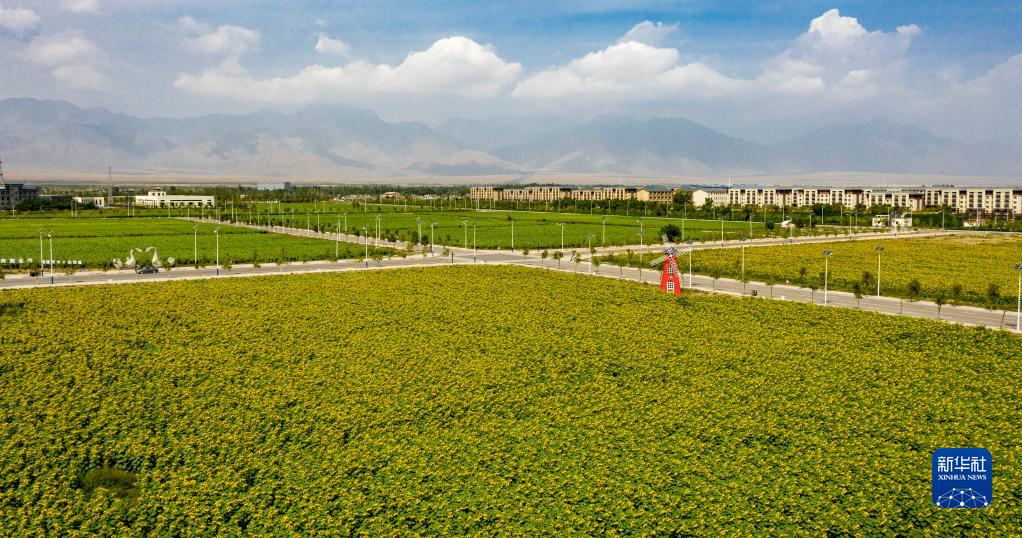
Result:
<point x="959" y="268"/>
<point x="489" y="400"/>
<point x="97" y="241"/>
<point x="532" y="230"/>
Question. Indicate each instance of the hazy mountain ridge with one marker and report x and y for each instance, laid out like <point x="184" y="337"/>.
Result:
<point x="339" y="141"/>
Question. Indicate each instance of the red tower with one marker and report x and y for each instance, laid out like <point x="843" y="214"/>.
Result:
<point x="670" y="281"/>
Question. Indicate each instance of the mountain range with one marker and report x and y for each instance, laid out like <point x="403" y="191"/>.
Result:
<point x="342" y="142"/>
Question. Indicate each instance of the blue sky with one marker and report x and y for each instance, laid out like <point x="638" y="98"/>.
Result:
<point x="757" y="69"/>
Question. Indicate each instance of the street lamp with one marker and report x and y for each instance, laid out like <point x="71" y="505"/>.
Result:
<point x="743" y="261"/>
<point x="878" y="249"/>
<point x="590" y="237"/>
<point x="826" y="273"/>
<point x="603" y="241"/>
<point x="641" y="244"/>
<point x="378" y="228"/>
<point x="337" y="239"/>
<point x="512" y="234"/>
<point x="217" y="233"/>
<point x="431" y="236"/>
<point x="40" y="251"/>
<point x="474" y="242"/>
<point x="195" y="244"/>
<point x="50" y="235"/>
<point x="365" y="233"/>
<point x="690" y="248"/>
<point x="464" y="222"/>
<point x="1018" y="311"/>
<point x="561" y="224"/>
<point x="345" y="223"/>
<point x="722" y="231"/>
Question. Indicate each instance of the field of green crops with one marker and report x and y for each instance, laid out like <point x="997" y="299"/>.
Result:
<point x="493" y="228"/>
<point x="97" y="241"/>
<point x="961" y="268"/>
<point x="490" y="400"/>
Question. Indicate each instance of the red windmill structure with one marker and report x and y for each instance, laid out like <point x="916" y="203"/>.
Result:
<point x="670" y="281"/>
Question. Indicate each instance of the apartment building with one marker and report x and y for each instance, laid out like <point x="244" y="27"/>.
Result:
<point x="551" y="194"/>
<point x="962" y="200"/>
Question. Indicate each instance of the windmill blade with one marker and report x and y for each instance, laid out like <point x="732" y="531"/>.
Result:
<point x="654" y="263"/>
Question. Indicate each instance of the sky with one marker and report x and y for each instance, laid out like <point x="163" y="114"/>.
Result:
<point x="760" y="70"/>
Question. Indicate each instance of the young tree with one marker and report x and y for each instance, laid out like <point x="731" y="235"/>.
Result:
<point x="857" y="291"/>
<point x="673" y="232"/>
<point x="576" y="258"/>
<point x="914" y="288"/>
<point x="941" y="300"/>
<point x="544" y="255"/>
<point x="956" y="292"/>
<point x="993" y="293"/>
<point x="557" y="256"/>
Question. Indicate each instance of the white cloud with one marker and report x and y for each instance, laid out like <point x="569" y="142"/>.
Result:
<point x="225" y="39"/>
<point x="630" y="69"/>
<point x="454" y="65"/>
<point x="649" y="33"/>
<point x="80" y="6"/>
<point x="81" y="77"/>
<point x="835" y="52"/>
<point x="832" y="50"/>
<point x="327" y="45"/>
<point x="60" y="49"/>
<point x="75" y="61"/>
<point x="18" y="19"/>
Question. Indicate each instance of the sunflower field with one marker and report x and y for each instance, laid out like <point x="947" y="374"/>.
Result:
<point x="496" y="400"/>
<point x="963" y="269"/>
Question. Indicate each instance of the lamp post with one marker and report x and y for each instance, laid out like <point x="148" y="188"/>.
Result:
<point x="418" y="221"/>
<point x="378" y="228"/>
<point x="40" y="251"/>
<point x="217" y="233"/>
<point x="365" y="233"/>
<point x="641" y="239"/>
<point x="1018" y="307"/>
<point x="603" y="241"/>
<point x="337" y="239"/>
<point x="561" y="224"/>
<point x="689" y="243"/>
<point x="195" y="244"/>
<point x="345" y="223"/>
<point x="431" y="236"/>
<point x="590" y="237"/>
<point x="743" y="262"/>
<point x="474" y="242"/>
<point x="826" y="273"/>
<point x="512" y="234"/>
<point x="464" y="222"/>
<point x="878" y="250"/>
<point x="50" y="235"/>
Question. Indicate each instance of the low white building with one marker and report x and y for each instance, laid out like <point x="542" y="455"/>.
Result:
<point x="162" y="199"/>
<point x="895" y="221"/>
<point x="98" y="201"/>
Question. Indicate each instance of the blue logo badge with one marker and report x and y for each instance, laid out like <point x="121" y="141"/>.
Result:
<point x="962" y="478"/>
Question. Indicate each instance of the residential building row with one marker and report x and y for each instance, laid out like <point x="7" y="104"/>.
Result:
<point x="961" y="200"/>
<point x="552" y="194"/>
